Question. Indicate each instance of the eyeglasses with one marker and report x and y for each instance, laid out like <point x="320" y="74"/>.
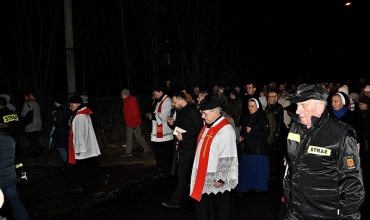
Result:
<point x="271" y="96"/>
<point x="206" y="113"/>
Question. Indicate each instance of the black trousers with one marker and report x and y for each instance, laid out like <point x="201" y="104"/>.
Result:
<point x="184" y="169"/>
<point x="33" y="140"/>
<point x="219" y="206"/>
<point x="86" y="173"/>
<point x="163" y="152"/>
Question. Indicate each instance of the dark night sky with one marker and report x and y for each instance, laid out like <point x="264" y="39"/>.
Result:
<point x="322" y="38"/>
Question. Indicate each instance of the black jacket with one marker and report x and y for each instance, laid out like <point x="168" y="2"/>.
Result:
<point x="189" y="119"/>
<point x="8" y="175"/>
<point x="12" y="118"/>
<point x="324" y="176"/>
<point x="255" y="142"/>
<point x="61" y="133"/>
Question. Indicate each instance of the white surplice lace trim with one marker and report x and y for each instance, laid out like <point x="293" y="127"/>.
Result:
<point x="227" y="171"/>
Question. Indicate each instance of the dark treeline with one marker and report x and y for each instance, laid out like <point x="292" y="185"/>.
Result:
<point x="140" y="44"/>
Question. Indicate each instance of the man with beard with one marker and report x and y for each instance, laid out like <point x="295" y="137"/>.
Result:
<point x="161" y="135"/>
<point x="189" y="119"/>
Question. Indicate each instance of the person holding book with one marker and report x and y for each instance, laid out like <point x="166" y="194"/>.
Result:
<point x="186" y="124"/>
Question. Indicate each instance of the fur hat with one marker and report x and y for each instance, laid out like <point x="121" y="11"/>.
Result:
<point x="125" y="92"/>
<point x="344" y="89"/>
<point x="364" y="99"/>
<point x="75" y="99"/>
<point x="84" y="98"/>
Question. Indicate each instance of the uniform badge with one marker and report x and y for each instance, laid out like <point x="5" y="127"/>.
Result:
<point x="350" y="162"/>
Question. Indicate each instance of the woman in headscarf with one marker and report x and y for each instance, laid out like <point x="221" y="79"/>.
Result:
<point x="254" y="164"/>
<point x="341" y="110"/>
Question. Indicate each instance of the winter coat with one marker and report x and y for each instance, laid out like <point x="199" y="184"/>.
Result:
<point x="36" y="125"/>
<point x="131" y="112"/>
<point x="8" y="175"/>
<point x="189" y="119"/>
<point x="234" y="109"/>
<point x="354" y="120"/>
<point x="14" y="128"/>
<point x="324" y="179"/>
<point x="280" y="128"/>
<point x="255" y="142"/>
<point x="61" y="131"/>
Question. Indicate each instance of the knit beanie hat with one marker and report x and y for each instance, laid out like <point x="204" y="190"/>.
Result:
<point x="344" y="89"/>
<point x="84" y="98"/>
<point x="364" y="99"/>
<point x="354" y="95"/>
<point x="60" y="100"/>
<point x="75" y="99"/>
<point x="125" y="92"/>
<point x="367" y="88"/>
<point x="234" y="92"/>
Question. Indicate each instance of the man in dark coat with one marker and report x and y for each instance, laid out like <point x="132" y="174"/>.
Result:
<point x="61" y="132"/>
<point x="324" y="177"/>
<point x="9" y="122"/>
<point x="189" y="119"/>
<point x="8" y="176"/>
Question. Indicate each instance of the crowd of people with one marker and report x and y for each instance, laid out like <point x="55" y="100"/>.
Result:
<point x="223" y="143"/>
<point x="313" y="137"/>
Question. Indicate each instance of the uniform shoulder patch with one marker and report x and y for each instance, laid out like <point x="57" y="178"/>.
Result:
<point x="350" y="162"/>
<point x="294" y="137"/>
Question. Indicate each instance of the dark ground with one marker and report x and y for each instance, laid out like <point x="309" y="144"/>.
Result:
<point x="131" y="192"/>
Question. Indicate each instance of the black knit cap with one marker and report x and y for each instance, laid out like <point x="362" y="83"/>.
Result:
<point x="60" y="100"/>
<point x="75" y="99"/>
<point x="210" y="104"/>
<point x="364" y="99"/>
<point x="233" y="91"/>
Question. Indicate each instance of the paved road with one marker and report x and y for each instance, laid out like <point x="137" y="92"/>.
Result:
<point x="131" y="193"/>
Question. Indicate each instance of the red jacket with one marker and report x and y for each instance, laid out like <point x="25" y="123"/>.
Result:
<point x="131" y="112"/>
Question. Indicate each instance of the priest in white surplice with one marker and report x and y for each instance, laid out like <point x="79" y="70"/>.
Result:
<point x="215" y="168"/>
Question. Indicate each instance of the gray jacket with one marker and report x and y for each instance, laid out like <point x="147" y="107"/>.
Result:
<point x="37" y="122"/>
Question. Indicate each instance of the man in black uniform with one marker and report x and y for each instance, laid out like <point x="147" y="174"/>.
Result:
<point x="9" y="122"/>
<point x="324" y="177"/>
<point x="189" y="119"/>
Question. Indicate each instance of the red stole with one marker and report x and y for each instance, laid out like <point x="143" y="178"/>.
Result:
<point x="160" y="126"/>
<point x="71" y="149"/>
<point x="203" y="157"/>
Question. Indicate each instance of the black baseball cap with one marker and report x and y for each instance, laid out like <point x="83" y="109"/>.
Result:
<point x="308" y="91"/>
